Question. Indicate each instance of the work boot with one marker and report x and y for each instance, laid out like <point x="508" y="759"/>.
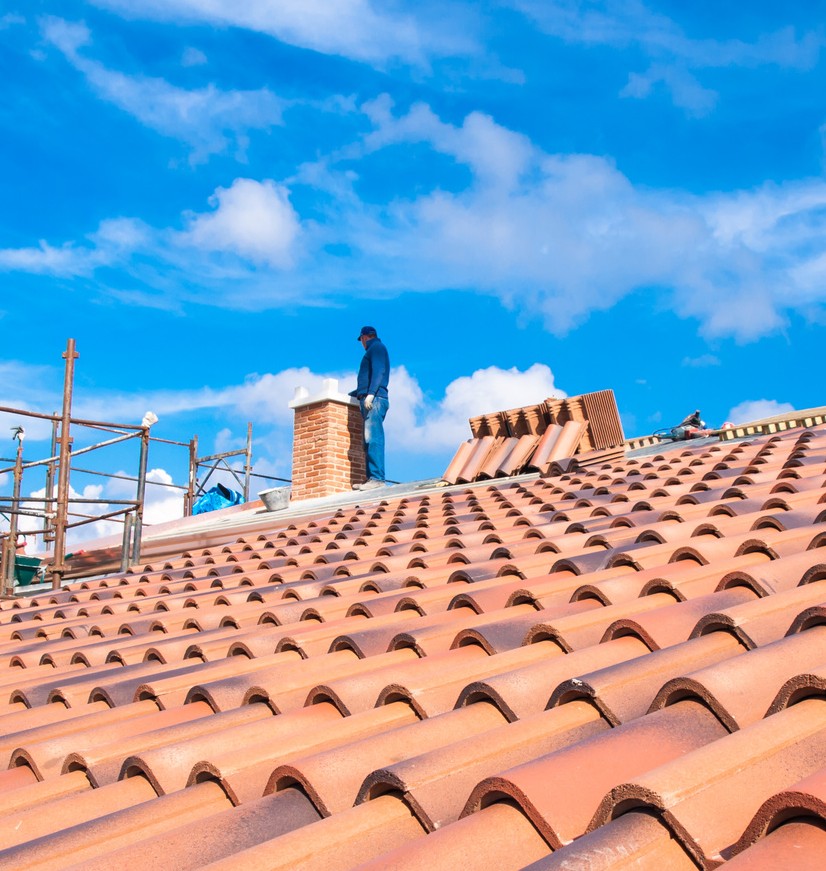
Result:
<point x="372" y="484"/>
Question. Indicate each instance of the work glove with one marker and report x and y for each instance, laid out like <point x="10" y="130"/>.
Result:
<point x="368" y="401"/>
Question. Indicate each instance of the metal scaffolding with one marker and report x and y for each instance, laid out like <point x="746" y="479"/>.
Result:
<point x="56" y="512"/>
<point x="213" y="463"/>
<point x="59" y="511"/>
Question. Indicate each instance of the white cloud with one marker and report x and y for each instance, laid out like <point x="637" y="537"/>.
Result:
<point x="624" y="24"/>
<point x="162" y="504"/>
<point x="208" y="119"/>
<point x="262" y="397"/>
<point x="563" y="235"/>
<point x="30" y="388"/>
<point x="73" y="536"/>
<point x="498" y="156"/>
<point x="44" y="259"/>
<point x="10" y="19"/>
<point x="113" y="241"/>
<point x="418" y="423"/>
<point x="253" y="226"/>
<point x="701" y="362"/>
<point x="557" y="236"/>
<point x="756" y="409"/>
<point x="193" y="57"/>
<point x="686" y="92"/>
<point x="252" y="219"/>
<point x="358" y="29"/>
<point x="621" y="23"/>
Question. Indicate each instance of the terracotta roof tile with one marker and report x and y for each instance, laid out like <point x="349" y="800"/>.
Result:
<point x="347" y="839"/>
<point x="737" y="773"/>
<point x="501" y="834"/>
<point x="609" y="759"/>
<point x="799" y="840"/>
<point x="632" y="841"/>
<point x="741" y="691"/>
<point x="524" y="691"/>
<point x="387" y="667"/>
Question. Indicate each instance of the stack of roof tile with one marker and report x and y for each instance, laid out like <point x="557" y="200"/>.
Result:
<point x="540" y="438"/>
<point x="622" y="667"/>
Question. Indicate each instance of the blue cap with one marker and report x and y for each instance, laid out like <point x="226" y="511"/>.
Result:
<point x="366" y="331"/>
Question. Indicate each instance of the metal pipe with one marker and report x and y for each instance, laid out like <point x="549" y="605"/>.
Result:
<point x="6" y="557"/>
<point x="95" y="424"/>
<point x="103" y="424"/>
<point x="270" y="477"/>
<point x="48" y="535"/>
<point x="127" y="478"/>
<point x="141" y="493"/>
<point x="127" y="540"/>
<point x="79" y="451"/>
<point x="10" y="512"/>
<point x="248" y="464"/>
<point x="78" y="500"/>
<point x="18" y="477"/>
<point x="35" y="531"/>
<point x="114" y="441"/>
<point x="93" y="518"/>
<point x="59" y="564"/>
<point x="169" y="442"/>
<point x="238" y="453"/>
<point x="203" y="484"/>
<point x="193" y="476"/>
<point x="26" y="413"/>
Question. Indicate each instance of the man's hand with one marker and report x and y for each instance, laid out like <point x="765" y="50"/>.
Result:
<point x="368" y="401"/>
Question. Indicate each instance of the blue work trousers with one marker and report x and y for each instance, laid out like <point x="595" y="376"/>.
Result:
<point x="374" y="437"/>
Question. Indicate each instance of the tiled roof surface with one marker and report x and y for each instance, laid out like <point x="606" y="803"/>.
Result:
<point x="624" y="667"/>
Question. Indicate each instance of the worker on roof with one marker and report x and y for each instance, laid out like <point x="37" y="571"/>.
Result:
<point x="371" y="392"/>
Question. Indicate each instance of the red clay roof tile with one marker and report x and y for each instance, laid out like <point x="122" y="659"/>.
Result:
<point x="685" y="604"/>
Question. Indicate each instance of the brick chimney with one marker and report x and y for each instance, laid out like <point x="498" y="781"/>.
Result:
<point x="328" y="442"/>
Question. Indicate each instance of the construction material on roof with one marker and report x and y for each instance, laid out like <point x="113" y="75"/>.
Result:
<point x="28" y="569"/>
<point x="532" y="438"/>
<point x="216" y="498"/>
<point x="395" y="683"/>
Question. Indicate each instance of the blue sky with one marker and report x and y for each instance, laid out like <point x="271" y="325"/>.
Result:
<point x="523" y="196"/>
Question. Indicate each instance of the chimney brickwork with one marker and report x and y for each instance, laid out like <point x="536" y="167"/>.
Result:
<point x="328" y="443"/>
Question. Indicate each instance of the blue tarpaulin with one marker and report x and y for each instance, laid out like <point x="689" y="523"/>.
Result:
<point x="215" y="498"/>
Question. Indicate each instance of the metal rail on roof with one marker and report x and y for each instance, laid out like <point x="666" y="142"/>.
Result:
<point x="778" y="423"/>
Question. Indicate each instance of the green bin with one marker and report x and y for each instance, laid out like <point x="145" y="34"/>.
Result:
<point x="26" y="569"/>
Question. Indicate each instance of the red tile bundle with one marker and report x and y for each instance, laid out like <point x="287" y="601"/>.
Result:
<point x="540" y="438"/>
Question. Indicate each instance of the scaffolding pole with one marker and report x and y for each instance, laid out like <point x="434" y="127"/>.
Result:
<point x="137" y="526"/>
<point x="11" y="543"/>
<point x="59" y="565"/>
<point x="248" y="463"/>
<point x="193" y="476"/>
<point x="48" y="536"/>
